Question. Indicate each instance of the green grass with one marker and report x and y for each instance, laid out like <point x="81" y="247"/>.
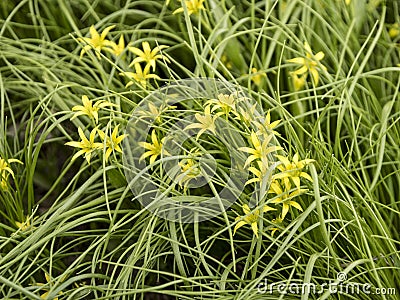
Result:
<point x="97" y="241"/>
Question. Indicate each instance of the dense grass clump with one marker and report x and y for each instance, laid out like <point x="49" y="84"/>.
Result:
<point x="324" y="79"/>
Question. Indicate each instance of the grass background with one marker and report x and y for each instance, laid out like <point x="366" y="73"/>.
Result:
<point x="96" y="243"/>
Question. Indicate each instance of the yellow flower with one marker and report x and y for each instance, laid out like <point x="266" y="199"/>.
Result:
<point x="250" y="218"/>
<point x="259" y="172"/>
<point x="190" y="168"/>
<point x="285" y="197"/>
<point x="117" y="49"/>
<point x="226" y="103"/>
<point x="292" y="170"/>
<point x="97" y="41"/>
<point x="154" y="149"/>
<point x="24" y="225"/>
<point x="206" y="122"/>
<point x="394" y="30"/>
<point x="87" y="145"/>
<point x="298" y="81"/>
<point x="348" y="2"/>
<point x="89" y="109"/>
<point x="140" y="76"/>
<point x="260" y="149"/>
<point x="246" y="115"/>
<point x="278" y="221"/>
<point x="5" y="171"/>
<point x="268" y="128"/>
<point x="155" y="112"/>
<point x="112" y="143"/>
<point x="309" y="63"/>
<point x="193" y="7"/>
<point x="257" y="76"/>
<point x="50" y="283"/>
<point x="147" y="55"/>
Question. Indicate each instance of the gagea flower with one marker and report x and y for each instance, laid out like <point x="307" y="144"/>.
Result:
<point x="259" y="173"/>
<point x="309" y="63"/>
<point x="250" y="218"/>
<point x="206" y="122"/>
<point x="112" y="143"/>
<point x="89" y="109"/>
<point x="257" y="76"/>
<point x="147" y="55"/>
<point x="298" y="81"/>
<point x="190" y="168"/>
<point x="5" y="171"/>
<point x="86" y="145"/>
<point x="260" y="149"/>
<point x="141" y="75"/>
<point x="157" y="112"/>
<point x="292" y="170"/>
<point x="268" y="127"/>
<point x="285" y="197"/>
<point x="97" y="41"/>
<point x="117" y="49"/>
<point x="226" y="103"/>
<point x="155" y="148"/>
<point x="193" y="7"/>
<point x="24" y="225"/>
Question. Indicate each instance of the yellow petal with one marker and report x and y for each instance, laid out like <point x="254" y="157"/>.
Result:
<point x="238" y="225"/>
<point x="297" y="60"/>
<point x="320" y="55"/>
<point x="254" y="226"/>
<point x="285" y="209"/>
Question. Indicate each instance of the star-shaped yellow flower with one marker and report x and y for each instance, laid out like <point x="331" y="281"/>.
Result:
<point x="292" y="170"/>
<point x="250" y="218"/>
<point x="155" y="149"/>
<point x="87" y="145"/>
<point x="206" y="122"/>
<point x="147" y="55"/>
<point x="112" y="143"/>
<point x="190" y="168"/>
<point x="257" y="76"/>
<point x="89" y="109"/>
<point x="298" y="81"/>
<point x="5" y="171"/>
<point x="97" y="41"/>
<point x="309" y="63"/>
<point x="24" y="225"/>
<point x="118" y="49"/>
<point x="193" y="7"/>
<point x="277" y="222"/>
<point x="260" y="149"/>
<point x="267" y="127"/>
<point x="225" y="102"/>
<point x="285" y="196"/>
<point x="156" y="112"/>
<point x="141" y="75"/>
<point x="259" y="172"/>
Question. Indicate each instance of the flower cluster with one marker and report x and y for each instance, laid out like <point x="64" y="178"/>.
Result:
<point x="89" y="145"/>
<point x="284" y="184"/>
<point x="99" y="43"/>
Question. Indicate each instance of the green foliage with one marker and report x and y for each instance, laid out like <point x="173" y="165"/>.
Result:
<point x="84" y="227"/>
